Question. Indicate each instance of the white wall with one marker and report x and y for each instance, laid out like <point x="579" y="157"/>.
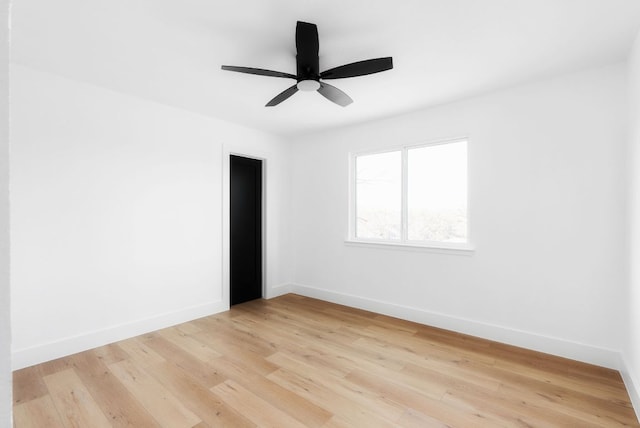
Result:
<point x="5" y="320"/>
<point x="632" y="348"/>
<point x="547" y="195"/>
<point x="117" y="207"/>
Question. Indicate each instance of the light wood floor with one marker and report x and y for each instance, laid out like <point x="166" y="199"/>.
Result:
<point x="294" y="361"/>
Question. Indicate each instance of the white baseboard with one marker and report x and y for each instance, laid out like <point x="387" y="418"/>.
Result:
<point x="547" y="344"/>
<point x="632" y="383"/>
<point x="70" y="345"/>
<point x="278" y="290"/>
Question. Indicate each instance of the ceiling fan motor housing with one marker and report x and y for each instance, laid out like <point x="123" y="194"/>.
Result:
<point x="307" y="70"/>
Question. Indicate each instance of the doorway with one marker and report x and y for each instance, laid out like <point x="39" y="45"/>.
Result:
<point x="245" y="229"/>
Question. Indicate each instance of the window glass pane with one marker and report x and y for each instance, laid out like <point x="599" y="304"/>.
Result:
<point x="378" y="195"/>
<point x="437" y="193"/>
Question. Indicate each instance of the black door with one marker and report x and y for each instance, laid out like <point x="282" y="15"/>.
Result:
<point x="246" y="229"/>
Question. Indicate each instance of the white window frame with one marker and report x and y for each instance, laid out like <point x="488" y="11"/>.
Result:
<point x="464" y="248"/>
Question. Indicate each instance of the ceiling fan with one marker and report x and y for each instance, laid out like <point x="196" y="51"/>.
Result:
<point x="308" y="75"/>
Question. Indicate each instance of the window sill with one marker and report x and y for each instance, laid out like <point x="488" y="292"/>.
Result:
<point x="455" y="249"/>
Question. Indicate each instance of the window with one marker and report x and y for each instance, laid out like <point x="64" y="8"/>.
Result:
<point x="414" y="195"/>
<point x="378" y="196"/>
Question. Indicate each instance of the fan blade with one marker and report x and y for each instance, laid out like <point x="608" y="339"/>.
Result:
<point x="334" y="94"/>
<point x="307" y="38"/>
<point x="282" y="96"/>
<point x="307" y="46"/>
<point x="258" y="71"/>
<point x="360" y="68"/>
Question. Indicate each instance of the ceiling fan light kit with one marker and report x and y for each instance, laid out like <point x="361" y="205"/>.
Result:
<point x="308" y="85"/>
<point x="308" y="75"/>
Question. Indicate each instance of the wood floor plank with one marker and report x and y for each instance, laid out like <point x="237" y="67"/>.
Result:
<point x="188" y="328"/>
<point x="292" y="342"/>
<point x="139" y="351"/>
<point x="414" y="419"/>
<point x="352" y="413"/>
<point x="73" y="401"/>
<point x="201" y="401"/>
<point x="299" y="408"/>
<point x="350" y="392"/>
<point x="37" y="413"/>
<point x="577" y="405"/>
<point x="110" y="354"/>
<point x="596" y="389"/>
<point x="116" y="402"/>
<point x="308" y="321"/>
<point x="434" y="345"/>
<point x="430" y="366"/>
<point x="298" y="361"/>
<point x="504" y="411"/>
<point x="255" y="408"/>
<point x="323" y="359"/>
<point x="418" y="400"/>
<point x="53" y="366"/>
<point x="189" y="344"/>
<point x="206" y="374"/>
<point x="336" y="422"/>
<point x="247" y="356"/>
<point x="159" y="402"/>
<point x="319" y="325"/>
<point x="225" y="330"/>
<point x="28" y="385"/>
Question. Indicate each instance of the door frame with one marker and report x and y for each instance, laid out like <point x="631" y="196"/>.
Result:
<point x="226" y="220"/>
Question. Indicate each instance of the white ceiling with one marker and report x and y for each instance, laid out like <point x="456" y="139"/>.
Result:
<point x="171" y="51"/>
